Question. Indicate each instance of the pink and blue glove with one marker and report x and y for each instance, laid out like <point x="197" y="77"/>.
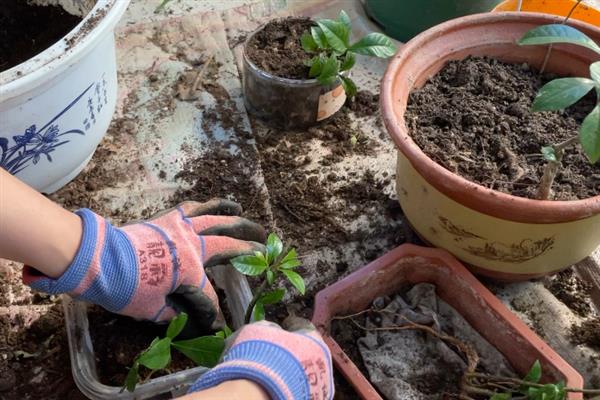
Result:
<point x="155" y="269"/>
<point x="287" y="365"/>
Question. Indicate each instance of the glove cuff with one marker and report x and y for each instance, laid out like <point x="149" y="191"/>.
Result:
<point x="80" y="265"/>
<point x="269" y="365"/>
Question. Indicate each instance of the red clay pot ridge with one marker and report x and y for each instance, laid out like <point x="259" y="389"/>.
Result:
<point x="410" y="264"/>
<point x="398" y="82"/>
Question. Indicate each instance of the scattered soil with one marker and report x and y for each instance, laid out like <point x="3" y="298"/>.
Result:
<point x="572" y="291"/>
<point x="118" y="340"/>
<point x="474" y="118"/>
<point x="276" y="48"/>
<point x="27" y="30"/>
<point x="588" y="333"/>
<point x="35" y="357"/>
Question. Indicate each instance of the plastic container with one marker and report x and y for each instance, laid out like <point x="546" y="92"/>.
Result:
<point x="56" y="107"/>
<point x="408" y="265"/>
<point x="288" y="103"/>
<point x="403" y="20"/>
<point x="83" y="364"/>
<point x="583" y="12"/>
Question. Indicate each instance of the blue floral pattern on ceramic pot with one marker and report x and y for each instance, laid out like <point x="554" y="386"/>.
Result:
<point x="29" y="147"/>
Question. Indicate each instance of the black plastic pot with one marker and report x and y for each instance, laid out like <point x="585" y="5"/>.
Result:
<point x="288" y="103"/>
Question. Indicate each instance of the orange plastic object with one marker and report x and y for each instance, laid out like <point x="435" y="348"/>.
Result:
<point x="583" y="12"/>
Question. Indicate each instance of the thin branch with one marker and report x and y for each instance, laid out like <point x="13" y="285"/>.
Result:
<point x="250" y="309"/>
<point x="547" y="57"/>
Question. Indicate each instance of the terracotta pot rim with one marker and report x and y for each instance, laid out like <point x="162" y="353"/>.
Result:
<point x="470" y="194"/>
<point x="323" y="314"/>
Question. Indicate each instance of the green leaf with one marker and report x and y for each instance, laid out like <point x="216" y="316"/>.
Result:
<point x="258" y="314"/>
<point x="349" y="86"/>
<point x="374" y="44"/>
<point x="329" y="72"/>
<point x="308" y="43"/>
<point x="176" y="325"/>
<point x="315" y="67"/>
<point x="272" y="297"/>
<point x="249" y="265"/>
<point x="205" y="350"/>
<point x="589" y="135"/>
<point x="274" y="247"/>
<point x="290" y="261"/>
<point x="549" y="153"/>
<point x="557" y="33"/>
<point x="348" y="62"/>
<point x="336" y="33"/>
<point x="595" y="71"/>
<point x="270" y="277"/>
<point x="227" y="331"/>
<point x="158" y="354"/>
<point x="534" y="375"/>
<point x="319" y="37"/>
<point x="561" y="93"/>
<point x="132" y="378"/>
<point x="501" y="396"/>
<point x="295" y="279"/>
<point x="345" y="20"/>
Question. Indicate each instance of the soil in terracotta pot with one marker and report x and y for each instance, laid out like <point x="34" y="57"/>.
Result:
<point x="276" y="48"/>
<point x="474" y="118"/>
<point x="26" y="30"/>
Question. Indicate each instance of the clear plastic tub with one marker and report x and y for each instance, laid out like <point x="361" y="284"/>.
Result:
<point x="83" y="364"/>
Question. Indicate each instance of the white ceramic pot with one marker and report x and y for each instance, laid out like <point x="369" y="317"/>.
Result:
<point x="56" y="107"/>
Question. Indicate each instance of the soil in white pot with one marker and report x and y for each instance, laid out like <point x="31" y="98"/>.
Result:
<point x="27" y="30"/>
<point x="474" y="118"/>
<point x="413" y="364"/>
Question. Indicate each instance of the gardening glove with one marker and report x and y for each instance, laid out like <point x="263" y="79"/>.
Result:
<point x="155" y="269"/>
<point x="287" y="365"/>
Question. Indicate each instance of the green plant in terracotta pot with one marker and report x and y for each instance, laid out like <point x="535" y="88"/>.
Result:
<point x="470" y="158"/>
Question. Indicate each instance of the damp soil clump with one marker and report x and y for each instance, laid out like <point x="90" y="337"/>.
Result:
<point x="474" y="118"/>
<point x="26" y="30"/>
<point x="572" y="291"/>
<point x="588" y="333"/>
<point x="276" y="48"/>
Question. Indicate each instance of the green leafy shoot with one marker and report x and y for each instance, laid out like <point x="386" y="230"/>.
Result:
<point x="205" y="351"/>
<point x="275" y="262"/>
<point x="561" y="93"/>
<point x="531" y="389"/>
<point x="329" y="40"/>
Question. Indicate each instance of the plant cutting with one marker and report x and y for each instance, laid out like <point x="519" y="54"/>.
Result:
<point x="496" y="225"/>
<point x="304" y="60"/>
<point x="562" y="93"/>
<point x="410" y="265"/>
<point x="207" y="350"/>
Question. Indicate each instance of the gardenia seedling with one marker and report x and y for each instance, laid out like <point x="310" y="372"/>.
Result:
<point x="330" y="39"/>
<point x="562" y="93"/>
<point x="207" y="350"/>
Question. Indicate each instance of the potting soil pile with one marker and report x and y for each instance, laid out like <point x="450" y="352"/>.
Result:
<point x="412" y="364"/>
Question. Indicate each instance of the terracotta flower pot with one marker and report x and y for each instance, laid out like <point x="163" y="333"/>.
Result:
<point x="502" y="236"/>
<point x="409" y="265"/>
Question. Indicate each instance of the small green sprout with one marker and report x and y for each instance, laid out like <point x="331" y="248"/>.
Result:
<point x="270" y="265"/>
<point x="330" y="40"/>
<point x="562" y="93"/>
